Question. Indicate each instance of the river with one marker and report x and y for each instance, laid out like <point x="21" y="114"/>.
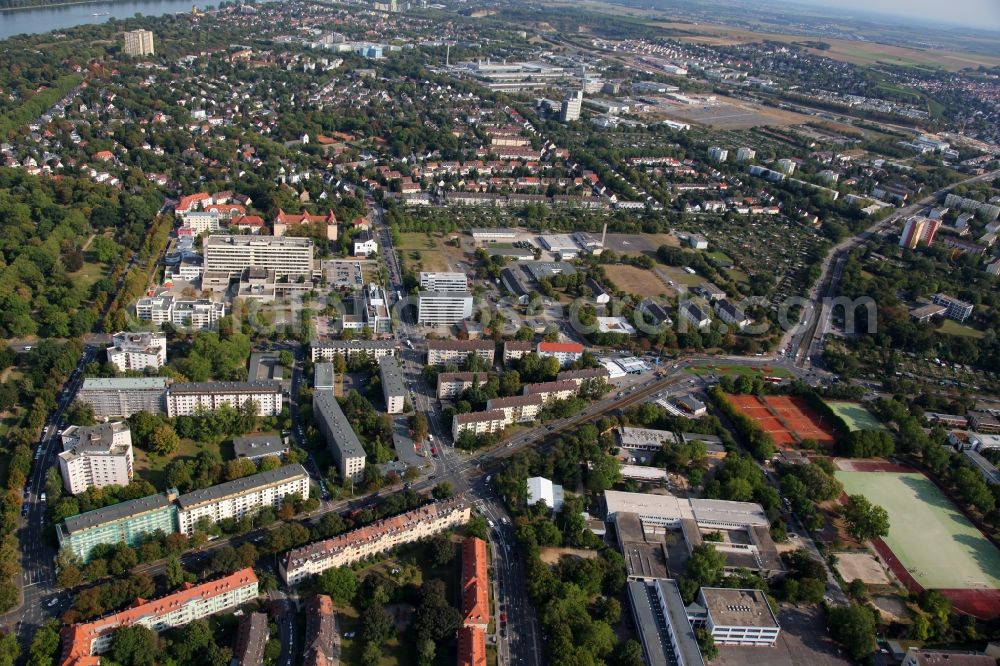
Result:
<point x="33" y="20"/>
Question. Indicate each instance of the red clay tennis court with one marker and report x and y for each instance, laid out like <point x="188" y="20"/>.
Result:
<point x="788" y="420"/>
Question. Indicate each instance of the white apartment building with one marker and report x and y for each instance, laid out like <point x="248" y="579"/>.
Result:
<point x="340" y="436"/>
<point x="330" y="349"/>
<point x="96" y="456"/>
<point x="443" y="308"/>
<point x="444" y="282"/>
<point x="745" y="154"/>
<point x="287" y="256"/>
<point x="137" y="351"/>
<point x="379" y="537"/>
<point x="479" y="423"/>
<point x="718" y="154"/>
<point x="517" y="408"/>
<point x="566" y="352"/>
<point x="457" y="351"/>
<point x="242" y="497"/>
<point x="393" y="388"/>
<point x="452" y="384"/>
<point x="365" y="244"/>
<point x="123" y="396"/>
<point x="185" y="313"/>
<point x="185" y="399"/>
<point x="572" y="104"/>
<point x="139" y="43"/>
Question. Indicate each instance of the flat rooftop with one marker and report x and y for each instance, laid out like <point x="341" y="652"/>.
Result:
<point x="257" y="241"/>
<point x="392" y="376"/>
<point x="115" y="512"/>
<point x="738" y="608"/>
<point x="246" y="484"/>
<point x="124" y="383"/>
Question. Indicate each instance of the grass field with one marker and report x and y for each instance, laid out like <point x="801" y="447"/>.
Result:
<point x="736" y="371"/>
<point x="854" y="415"/>
<point x="425" y="249"/>
<point x="151" y="468"/>
<point x="952" y="327"/>
<point x="938" y="546"/>
<point x="638" y="281"/>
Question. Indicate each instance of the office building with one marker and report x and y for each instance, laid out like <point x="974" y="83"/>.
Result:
<point x="126" y="522"/>
<point x="375" y="310"/>
<point x="137" y="351"/>
<point x="82" y="642"/>
<point x="124" y="396"/>
<point x="478" y="423"/>
<point x="241" y="497"/>
<point x="289" y="257"/>
<point x="567" y="352"/>
<point x="329" y="349"/>
<point x="255" y="447"/>
<point x="341" y="439"/>
<point x="471" y="647"/>
<point x="393" y="388"/>
<point x="186" y="314"/>
<point x="443" y="308"/>
<point x="444" y="282"/>
<point x="717" y="154"/>
<point x="735" y="617"/>
<point x="475" y="584"/>
<point x="918" y="230"/>
<point x="956" y="309"/>
<point x="440" y="352"/>
<point x="378" y="537"/>
<point x="322" y="642"/>
<point x="251" y="639"/>
<point x="572" y="104"/>
<point x="187" y="399"/>
<point x="96" y="456"/>
<point x="324" y="376"/>
<point x="139" y="43"/>
<point x="661" y="620"/>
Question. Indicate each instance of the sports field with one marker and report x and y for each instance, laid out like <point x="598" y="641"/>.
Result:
<point x="788" y="420"/>
<point x="935" y="544"/>
<point x="854" y="415"/>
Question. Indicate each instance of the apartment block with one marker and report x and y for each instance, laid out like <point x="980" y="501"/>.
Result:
<point x="557" y="390"/>
<point x="96" y="456"/>
<point x="322" y="642"/>
<point x="444" y="282"/>
<point x="443" y="308"/>
<point x="138" y="43"/>
<point x="324" y="376"/>
<point x="581" y="377"/>
<point x="517" y="408"/>
<point x="137" y="351"/>
<point x="516" y="349"/>
<point x="393" y="387"/>
<point x="82" y="642"/>
<point x="125" y="522"/>
<point x="918" y="230"/>
<point x="572" y="104"/>
<point x="241" y="497"/>
<point x="566" y="352"/>
<point x="378" y="537"/>
<point x="451" y="385"/>
<point x="287" y="256"/>
<point x="251" y="639"/>
<point x="475" y="584"/>
<point x="695" y="314"/>
<point x="186" y="399"/>
<point x="471" y="647"/>
<point x="479" y="423"/>
<point x="440" y="352"/>
<point x="340" y="437"/>
<point x="124" y="396"/>
<point x="330" y="349"/>
<point x="188" y="314"/>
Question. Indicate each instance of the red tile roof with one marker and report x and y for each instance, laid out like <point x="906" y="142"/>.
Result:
<point x="471" y="647"/>
<point x="564" y="347"/>
<point x="285" y="218"/>
<point x="475" y="583"/>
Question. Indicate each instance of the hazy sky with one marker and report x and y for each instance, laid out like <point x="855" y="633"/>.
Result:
<point x="979" y="13"/>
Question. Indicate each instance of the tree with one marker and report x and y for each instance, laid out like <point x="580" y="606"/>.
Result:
<point x="10" y="650"/>
<point x="164" y="440"/>
<point x="865" y="521"/>
<point x="706" y="643"/>
<point x="44" y="645"/>
<point x="442" y="549"/>
<point x="341" y="583"/>
<point x="134" y="646"/>
<point x="853" y="627"/>
<point x="376" y="624"/>
<point x="174" y="573"/>
<point x="435" y="618"/>
<point x="418" y="425"/>
<point x="442" y="491"/>
<point x="628" y="653"/>
<point x="426" y="650"/>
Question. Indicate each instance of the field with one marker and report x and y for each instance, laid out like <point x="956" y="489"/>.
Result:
<point x="427" y="250"/>
<point x="952" y="327"/>
<point x="854" y="415"/>
<point x="930" y="545"/>
<point x="638" y="281"/>
<point x="855" y="52"/>
<point x="737" y="371"/>
<point x="861" y="566"/>
<point x="727" y="114"/>
<point x="151" y="468"/>
<point x="787" y="420"/>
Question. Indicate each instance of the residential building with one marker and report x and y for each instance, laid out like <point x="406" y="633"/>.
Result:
<point x="137" y="351"/>
<point x="558" y="390"/>
<point x="341" y="439"/>
<point x="717" y="154"/>
<point x="735" y="617"/>
<point x="327" y="223"/>
<point x="920" y="657"/>
<point x="255" y="447"/>
<point x="324" y="376"/>
<point x="710" y="291"/>
<point x="443" y="308"/>
<point x="186" y="314"/>
<point x="957" y="310"/>
<point x="138" y="43"/>
<point x="289" y="257"/>
<point x="124" y="396"/>
<point x="787" y="166"/>
<point x="251" y="638"/>
<point x="988" y="211"/>
<point x="327" y="350"/>
<point x="731" y="314"/>
<point x="661" y="620"/>
<point x="478" y="423"/>
<point x="81" y="642"/>
<point x="241" y="497"/>
<point x="918" y="230"/>
<point x="393" y="387"/>
<point x="475" y="584"/>
<point x="186" y="399"/>
<point x="541" y="489"/>
<point x="694" y="314"/>
<point x="444" y="282"/>
<point x="322" y="641"/>
<point x="471" y="647"/>
<point x="440" y="352"/>
<point x="364" y="244"/>
<point x="516" y="349"/>
<point x="378" y="537"/>
<point x="451" y="385"/>
<point x="126" y="522"/>
<point x="584" y="376"/>
<point x="96" y="456"/>
<point x="745" y="154"/>
<point x="571" y="106"/>
<point x="566" y="352"/>
<point x="517" y="408"/>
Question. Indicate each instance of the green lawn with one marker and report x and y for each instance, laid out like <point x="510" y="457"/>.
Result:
<point x="89" y="274"/>
<point x="854" y="415"/>
<point x="937" y="544"/>
<point x="150" y="467"/>
<point x="735" y="371"/>
<point x="952" y="327"/>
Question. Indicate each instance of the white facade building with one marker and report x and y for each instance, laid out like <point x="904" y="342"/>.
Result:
<point x="440" y="308"/>
<point x="444" y="282"/>
<point x="541" y="489"/>
<point x="137" y="351"/>
<point x="96" y="456"/>
<point x="185" y="399"/>
<point x="185" y="313"/>
<point x="736" y="617"/>
<point x="287" y="256"/>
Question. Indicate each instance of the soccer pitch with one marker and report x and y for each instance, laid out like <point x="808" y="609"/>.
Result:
<point x="854" y="415"/>
<point x="936" y="544"/>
